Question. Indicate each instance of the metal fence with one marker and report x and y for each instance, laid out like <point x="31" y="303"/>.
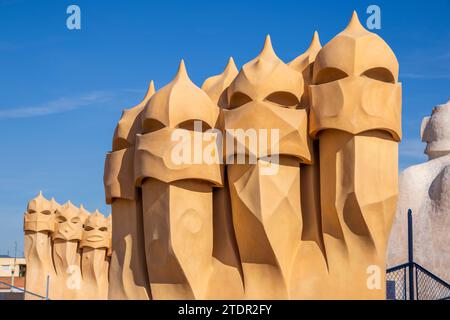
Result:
<point x="411" y="281"/>
<point x="414" y="282"/>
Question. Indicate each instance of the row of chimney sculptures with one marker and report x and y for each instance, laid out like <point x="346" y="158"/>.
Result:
<point x="315" y="228"/>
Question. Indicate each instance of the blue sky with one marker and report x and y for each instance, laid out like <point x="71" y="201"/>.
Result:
<point x="62" y="92"/>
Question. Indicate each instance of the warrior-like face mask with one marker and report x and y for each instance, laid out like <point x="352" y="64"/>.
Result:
<point x="69" y="223"/>
<point x="266" y="95"/>
<point x="355" y="84"/>
<point x="96" y="232"/>
<point x="39" y="216"/>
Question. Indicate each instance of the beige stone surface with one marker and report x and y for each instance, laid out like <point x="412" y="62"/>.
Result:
<point x="39" y="224"/>
<point x="216" y="86"/>
<point x="69" y="245"/>
<point x="66" y="251"/>
<point x="425" y="189"/>
<point x="360" y="71"/>
<point x="184" y="260"/>
<point x="355" y="114"/>
<point x="265" y="95"/>
<point x="95" y="242"/>
<point x="128" y="272"/>
<point x="315" y="228"/>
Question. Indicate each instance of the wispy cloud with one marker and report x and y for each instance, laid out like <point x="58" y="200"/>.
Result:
<point x="412" y="148"/>
<point x="411" y="152"/>
<point x="9" y="2"/>
<point x="59" y="105"/>
<point x="424" y="76"/>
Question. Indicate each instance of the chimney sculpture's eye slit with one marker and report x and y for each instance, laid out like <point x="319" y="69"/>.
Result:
<point x="380" y="74"/>
<point x="192" y="123"/>
<point x="330" y="74"/>
<point x="151" y="125"/>
<point x="239" y="99"/>
<point x="283" y="98"/>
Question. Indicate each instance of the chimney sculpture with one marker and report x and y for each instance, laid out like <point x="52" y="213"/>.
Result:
<point x="356" y="116"/>
<point x="66" y="251"/>
<point x="265" y="196"/>
<point x="72" y="254"/>
<point x="227" y="271"/>
<point x="95" y="244"/>
<point x="310" y="261"/>
<point x="39" y="224"/>
<point x="177" y="188"/>
<point x="128" y="271"/>
<point x="302" y="206"/>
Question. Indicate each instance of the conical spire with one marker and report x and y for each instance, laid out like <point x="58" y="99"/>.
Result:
<point x="356" y="50"/>
<point x="39" y="203"/>
<point x="150" y="90"/>
<point x="267" y="51"/>
<point x="315" y="44"/>
<point x="305" y="59"/>
<point x="266" y="73"/>
<point x="216" y="85"/>
<point x="130" y="123"/>
<point x="167" y="107"/>
<point x="355" y="26"/>
<point x="68" y="206"/>
<point x="230" y="67"/>
<point x="182" y="72"/>
<point x="83" y="209"/>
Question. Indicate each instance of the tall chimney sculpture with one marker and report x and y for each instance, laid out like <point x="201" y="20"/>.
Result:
<point x="95" y="244"/>
<point x="227" y="271"/>
<point x="295" y="202"/>
<point x="310" y="261"/>
<point x="177" y="189"/>
<point x="39" y="224"/>
<point x="356" y="116"/>
<point x="128" y="271"/>
<point x="265" y="194"/>
<point x="66" y="251"/>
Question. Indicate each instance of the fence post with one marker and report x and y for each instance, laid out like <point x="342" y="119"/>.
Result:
<point x="47" y="289"/>
<point x="410" y="255"/>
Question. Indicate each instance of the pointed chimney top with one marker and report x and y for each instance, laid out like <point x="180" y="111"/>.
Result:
<point x="97" y="213"/>
<point x="315" y="42"/>
<point x="231" y="66"/>
<point x="354" y="25"/>
<point x="150" y="90"/>
<point x="182" y="72"/>
<point x="267" y="50"/>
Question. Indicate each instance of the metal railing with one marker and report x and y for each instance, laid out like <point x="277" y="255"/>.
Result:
<point x="424" y="285"/>
<point x="411" y="281"/>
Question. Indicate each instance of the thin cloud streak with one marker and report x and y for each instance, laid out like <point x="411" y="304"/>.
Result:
<point x="4" y="3"/>
<point x="412" y="148"/>
<point x="423" y="76"/>
<point x="59" y="105"/>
